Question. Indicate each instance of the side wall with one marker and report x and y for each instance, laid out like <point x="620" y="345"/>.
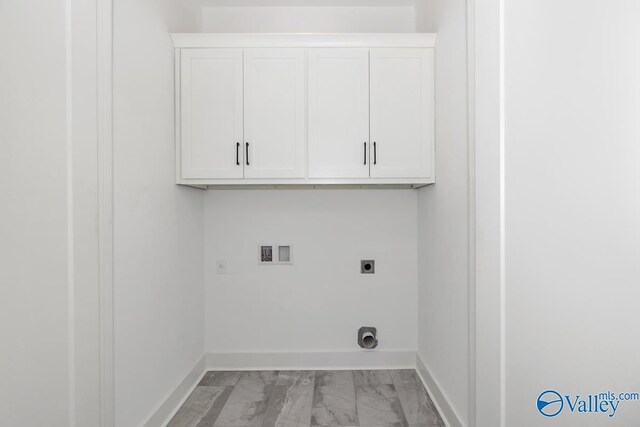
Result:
<point x="34" y="282"/>
<point x="572" y="206"/>
<point x="443" y="232"/>
<point x="158" y="226"/>
<point x="49" y="293"/>
<point x="318" y="303"/>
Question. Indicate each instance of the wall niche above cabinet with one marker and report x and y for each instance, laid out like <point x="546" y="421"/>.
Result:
<point x="319" y="110"/>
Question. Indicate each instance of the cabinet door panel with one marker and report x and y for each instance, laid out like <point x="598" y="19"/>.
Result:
<point x="339" y="113"/>
<point x="402" y="98"/>
<point x="274" y="113"/>
<point x="211" y="112"/>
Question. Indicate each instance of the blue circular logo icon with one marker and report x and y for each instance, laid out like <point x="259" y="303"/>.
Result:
<point x="550" y="403"/>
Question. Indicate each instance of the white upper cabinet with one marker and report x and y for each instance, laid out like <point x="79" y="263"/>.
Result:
<point x="402" y="104"/>
<point x="211" y="113"/>
<point x="339" y="113"/>
<point x="305" y="109"/>
<point x="274" y="113"/>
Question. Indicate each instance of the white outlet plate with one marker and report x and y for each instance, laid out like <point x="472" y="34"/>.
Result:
<point x="221" y="266"/>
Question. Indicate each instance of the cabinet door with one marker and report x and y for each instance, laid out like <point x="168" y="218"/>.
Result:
<point x="339" y="113"/>
<point x="402" y="98"/>
<point x="274" y="113"/>
<point x="211" y="113"/>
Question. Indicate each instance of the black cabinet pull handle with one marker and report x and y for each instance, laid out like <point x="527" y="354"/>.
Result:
<point x="375" y="153"/>
<point x="238" y="153"/>
<point x="247" y="153"/>
<point x="365" y="153"/>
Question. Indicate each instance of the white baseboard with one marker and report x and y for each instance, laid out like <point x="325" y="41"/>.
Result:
<point x="172" y="403"/>
<point x="449" y="415"/>
<point x="312" y="360"/>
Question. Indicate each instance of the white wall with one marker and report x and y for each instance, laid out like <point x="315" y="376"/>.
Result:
<point x="158" y="226"/>
<point x="33" y="216"/>
<point x="572" y="205"/>
<point x="86" y="279"/>
<point x="308" y="19"/>
<point x="48" y="222"/>
<point x="319" y="302"/>
<point x="443" y="232"/>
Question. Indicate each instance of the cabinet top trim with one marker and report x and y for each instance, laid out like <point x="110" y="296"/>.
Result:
<point x="249" y="40"/>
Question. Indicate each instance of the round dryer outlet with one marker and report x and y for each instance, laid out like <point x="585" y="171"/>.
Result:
<point x="368" y="337"/>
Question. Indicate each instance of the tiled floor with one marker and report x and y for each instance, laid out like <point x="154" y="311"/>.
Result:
<point x="309" y="398"/>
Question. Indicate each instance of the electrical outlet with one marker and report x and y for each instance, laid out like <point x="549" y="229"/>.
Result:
<point x="367" y="266"/>
<point x="221" y="266"/>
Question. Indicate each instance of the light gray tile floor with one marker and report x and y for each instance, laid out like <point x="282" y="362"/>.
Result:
<point x="378" y="398"/>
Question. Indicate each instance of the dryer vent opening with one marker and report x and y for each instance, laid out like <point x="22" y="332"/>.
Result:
<point x="367" y="337"/>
